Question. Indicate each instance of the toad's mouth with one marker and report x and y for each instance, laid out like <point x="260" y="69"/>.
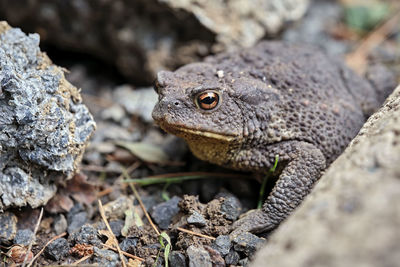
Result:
<point x="187" y="133"/>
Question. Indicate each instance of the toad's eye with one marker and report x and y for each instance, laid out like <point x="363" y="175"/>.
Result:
<point x="207" y="100"/>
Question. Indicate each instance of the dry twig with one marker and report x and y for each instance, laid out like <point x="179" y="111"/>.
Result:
<point x="125" y="253"/>
<point x="48" y="243"/>
<point x="82" y="259"/>
<point x="125" y="173"/>
<point x="103" y="216"/>
<point x="194" y="233"/>
<point x="33" y="238"/>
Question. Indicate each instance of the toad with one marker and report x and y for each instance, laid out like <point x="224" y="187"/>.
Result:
<point x="243" y="109"/>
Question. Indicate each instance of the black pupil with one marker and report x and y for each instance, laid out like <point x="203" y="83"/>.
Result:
<point x="208" y="100"/>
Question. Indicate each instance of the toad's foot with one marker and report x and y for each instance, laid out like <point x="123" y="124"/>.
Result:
<point x="294" y="183"/>
<point x="255" y="221"/>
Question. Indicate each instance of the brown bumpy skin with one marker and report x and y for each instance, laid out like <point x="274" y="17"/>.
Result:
<point x="274" y="99"/>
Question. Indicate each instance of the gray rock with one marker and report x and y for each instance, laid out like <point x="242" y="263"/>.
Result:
<point x="57" y="249"/>
<point x="247" y="243"/>
<point x="198" y="257"/>
<point x="352" y="216"/>
<point x="164" y="212"/>
<point x="231" y="207"/>
<point x="8" y="227"/>
<point x="177" y="259"/>
<point x="116" y="227"/>
<point x="129" y="244"/>
<point x="197" y="219"/>
<point x="216" y="259"/>
<point x="23" y="237"/>
<point x="222" y="244"/>
<point x="60" y="224"/>
<point x="86" y="235"/>
<point x="232" y="258"/>
<point x="106" y="258"/>
<point x="143" y="37"/>
<point x="44" y="127"/>
<point x="244" y="262"/>
<point x="76" y="221"/>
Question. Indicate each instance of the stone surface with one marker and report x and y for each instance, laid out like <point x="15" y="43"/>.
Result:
<point x="352" y="216"/>
<point x="197" y="219"/>
<point x="23" y="237"/>
<point x="57" y="249"/>
<point x="76" y="221"/>
<point x="86" y="235"/>
<point x="222" y="244"/>
<point x="129" y="244"/>
<point x="163" y="213"/>
<point x="60" y="224"/>
<point x="247" y="243"/>
<point x="44" y="127"/>
<point x="106" y="258"/>
<point x="142" y="37"/>
<point x="232" y="258"/>
<point x="198" y="257"/>
<point x="177" y="259"/>
<point x="231" y="207"/>
<point x="8" y="227"/>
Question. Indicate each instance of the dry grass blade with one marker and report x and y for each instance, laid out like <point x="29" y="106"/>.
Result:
<point x="194" y="233"/>
<point x="103" y="216"/>
<point x="48" y="243"/>
<point x="33" y="238"/>
<point x="125" y="174"/>
<point x="143" y="207"/>
<point x="125" y="253"/>
<point x="357" y="60"/>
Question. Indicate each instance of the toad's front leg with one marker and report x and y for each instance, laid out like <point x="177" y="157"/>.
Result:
<point x="304" y="167"/>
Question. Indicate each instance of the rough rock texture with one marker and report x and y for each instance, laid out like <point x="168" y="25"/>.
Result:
<point x="142" y="37"/>
<point x="44" y="128"/>
<point x="352" y="217"/>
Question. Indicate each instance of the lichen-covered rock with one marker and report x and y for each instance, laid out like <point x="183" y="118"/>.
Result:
<point x="44" y="127"/>
<point x="352" y="216"/>
<point x="142" y="37"/>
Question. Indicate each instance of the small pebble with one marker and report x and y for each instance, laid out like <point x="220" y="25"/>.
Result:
<point x="247" y="243"/>
<point x="86" y="235"/>
<point x="222" y="244"/>
<point x="196" y="219"/>
<point x="129" y="244"/>
<point x="198" y="257"/>
<point x="244" y="262"/>
<point x="57" y="249"/>
<point x="164" y="212"/>
<point x="106" y="258"/>
<point x="23" y="237"/>
<point x="177" y="259"/>
<point x="232" y="258"/>
<point x="216" y="258"/>
<point x="116" y="227"/>
<point x="76" y="221"/>
<point x="231" y="207"/>
<point x="116" y="209"/>
<point x="60" y="224"/>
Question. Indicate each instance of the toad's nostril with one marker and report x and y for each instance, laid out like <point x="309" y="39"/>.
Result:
<point x="176" y="103"/>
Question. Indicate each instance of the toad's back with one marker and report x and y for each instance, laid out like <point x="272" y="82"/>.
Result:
<point x="320" y="100"/>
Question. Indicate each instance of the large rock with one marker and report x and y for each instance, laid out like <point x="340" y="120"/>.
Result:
<point x="352" y="217"/>
<point x="44" y="127"/>
<point x="142" y="37"/>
